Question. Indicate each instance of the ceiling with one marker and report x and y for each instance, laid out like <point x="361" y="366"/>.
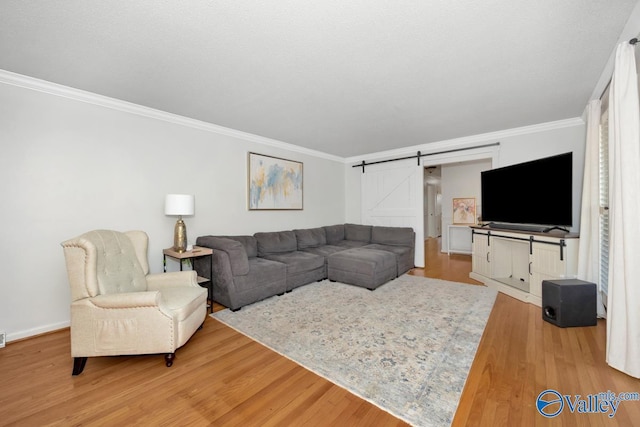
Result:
<point x="341" y="77"/>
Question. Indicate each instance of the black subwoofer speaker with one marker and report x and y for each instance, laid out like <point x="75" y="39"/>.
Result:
<point x="569" y="302"/>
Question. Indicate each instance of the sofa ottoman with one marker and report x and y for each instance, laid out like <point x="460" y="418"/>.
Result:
<point x="368" y="268"/>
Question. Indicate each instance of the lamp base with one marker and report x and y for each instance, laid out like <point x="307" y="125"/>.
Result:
<point x="180" y="236"/>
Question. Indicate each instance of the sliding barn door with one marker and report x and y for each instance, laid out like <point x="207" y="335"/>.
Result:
<point x="393" y="195"/>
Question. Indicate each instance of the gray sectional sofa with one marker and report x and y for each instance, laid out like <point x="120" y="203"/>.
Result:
<point x="246" y="269"/>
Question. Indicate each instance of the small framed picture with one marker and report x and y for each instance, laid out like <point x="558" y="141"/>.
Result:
<point x="274" y="183"/>
<point x="464" y="210"/>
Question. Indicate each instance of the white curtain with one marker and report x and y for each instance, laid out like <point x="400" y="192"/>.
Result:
<point x="589" y="251"/>
<point x="623" y="302"/>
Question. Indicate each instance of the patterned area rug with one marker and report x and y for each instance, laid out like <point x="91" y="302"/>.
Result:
<point x="406" y="347"/>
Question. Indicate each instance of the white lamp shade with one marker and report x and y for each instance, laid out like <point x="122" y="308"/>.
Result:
<point x="179" y="204"/>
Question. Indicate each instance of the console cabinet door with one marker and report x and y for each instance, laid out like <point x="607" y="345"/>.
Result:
<point x="545" y="264"/>
<point x="481" y="255"/>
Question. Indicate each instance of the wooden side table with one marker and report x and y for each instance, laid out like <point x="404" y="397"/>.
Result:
<point x="196" y="252"/>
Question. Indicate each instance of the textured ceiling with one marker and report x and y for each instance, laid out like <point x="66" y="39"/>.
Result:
<point x="342" y="77"/>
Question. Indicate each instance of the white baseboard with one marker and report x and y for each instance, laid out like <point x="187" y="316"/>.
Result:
<point x="36" y="331"/>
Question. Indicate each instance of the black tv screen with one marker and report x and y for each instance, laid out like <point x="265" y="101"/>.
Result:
<point x="538" y="192"/>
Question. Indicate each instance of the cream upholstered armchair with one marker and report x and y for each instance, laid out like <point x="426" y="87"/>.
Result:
<point x="118" y="308"/>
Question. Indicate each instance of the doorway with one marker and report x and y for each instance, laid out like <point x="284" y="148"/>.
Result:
<point x="444" y="182"/>
<point x="432" y="202"/>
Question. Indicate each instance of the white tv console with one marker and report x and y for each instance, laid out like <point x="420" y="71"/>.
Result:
<point x="516" y="262"/>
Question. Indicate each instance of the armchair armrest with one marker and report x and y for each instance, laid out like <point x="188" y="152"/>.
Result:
<point x="159" y="281"/>
<point x="127" y="300"/>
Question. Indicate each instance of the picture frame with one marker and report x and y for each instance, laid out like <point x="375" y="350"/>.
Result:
<point x="274" y="183"/>
<point x="464" y="210"/>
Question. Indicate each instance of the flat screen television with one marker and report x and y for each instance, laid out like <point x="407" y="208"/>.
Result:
<point x="530" y="195"/>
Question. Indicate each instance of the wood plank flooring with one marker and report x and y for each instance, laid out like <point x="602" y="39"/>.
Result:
<point x="520" y="355"/>
<point x="222" y="378"/>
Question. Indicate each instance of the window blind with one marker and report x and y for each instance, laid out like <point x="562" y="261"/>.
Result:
<point x="604" y="203"/>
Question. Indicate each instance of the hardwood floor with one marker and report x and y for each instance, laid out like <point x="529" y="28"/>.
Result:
<point x="520" y="356"/>
<point x="223" y="378"/>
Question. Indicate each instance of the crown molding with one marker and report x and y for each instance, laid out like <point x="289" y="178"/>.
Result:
<point x="14" y="79"/>
<point x="467" y="141"/>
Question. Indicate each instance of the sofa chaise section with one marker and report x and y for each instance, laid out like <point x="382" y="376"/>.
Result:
<point x="239" y="276"/>
<point x="368" y="268"/>
<point x="398" y="240"/>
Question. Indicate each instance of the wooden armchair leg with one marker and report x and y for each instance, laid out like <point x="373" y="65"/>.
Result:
<point x="168" y="358"/>
<point x="78" y="365"/>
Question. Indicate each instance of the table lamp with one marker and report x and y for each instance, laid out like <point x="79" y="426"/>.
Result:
<point x="179" y="204"/>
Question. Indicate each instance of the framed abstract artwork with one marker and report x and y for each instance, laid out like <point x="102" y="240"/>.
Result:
<point x="274" y="183"/>
<point x="464" y="210"/>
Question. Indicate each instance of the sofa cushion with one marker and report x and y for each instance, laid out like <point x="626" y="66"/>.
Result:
<point x="249" y="242"/>
<point x="404" y="255"/>
<point x="276" y="242"/>
<point x="357" y="232"/>
<point x="262" y="272"/>
<point x="311" y="237"/>
<point x="265" y="279"/>
<point x="350" y="244"/>
<point x="334" y="233"/>
<point x="395" y="249"/>
<point x="324" y="250"/>
<point x="235" y="249"/>
<point x="298" y="262"/>
<point x="393" y="236"/>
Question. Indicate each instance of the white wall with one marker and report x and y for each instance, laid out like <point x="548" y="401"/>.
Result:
<point x="459" y="180"/>
<point x="515" y="146"/>
<point x="69" y="166"/>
